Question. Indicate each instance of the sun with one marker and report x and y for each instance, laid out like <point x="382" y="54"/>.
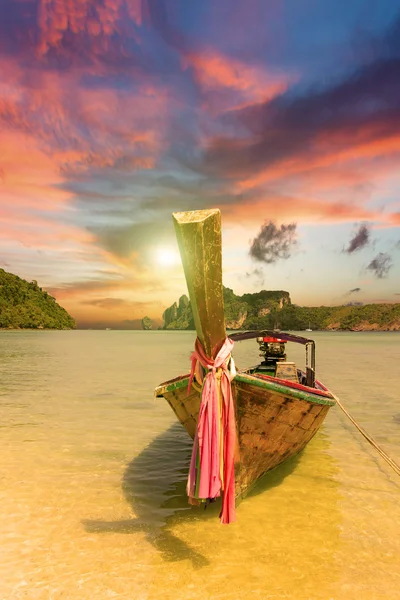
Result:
<point x="167" y="257"/>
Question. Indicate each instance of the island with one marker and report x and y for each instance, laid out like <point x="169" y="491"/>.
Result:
<point x="24" y="305"/>
<point x="147" y="323"/>
<point x="275" y="310"/>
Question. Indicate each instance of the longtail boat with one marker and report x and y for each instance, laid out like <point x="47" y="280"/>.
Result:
<point x="277" y="407"/>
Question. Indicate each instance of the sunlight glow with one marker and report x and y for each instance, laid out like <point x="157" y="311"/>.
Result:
<point x="167" y="257"/>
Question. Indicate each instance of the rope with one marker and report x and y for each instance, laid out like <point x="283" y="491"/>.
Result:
<point x="386" y="457"/>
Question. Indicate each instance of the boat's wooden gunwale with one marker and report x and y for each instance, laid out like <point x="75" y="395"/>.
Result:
<point x="254" y="381"/>
<point x="272" y="426"/>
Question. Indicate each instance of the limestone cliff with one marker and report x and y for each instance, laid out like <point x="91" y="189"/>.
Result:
<point x="179" y="316"/>
<point x="239" y="310"/>
<point x="147" y="323"/>
<point x="273" y="309"/>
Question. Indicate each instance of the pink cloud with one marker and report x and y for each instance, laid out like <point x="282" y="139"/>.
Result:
<point x="281" y="207"/>
<point x="215" y="70"/>
<point x="83" y="127"/>
<point x="395" y="218"/>
<point x="238" y="83"/>
<point x="104" y="24"/>
<point x="322" y="155"/>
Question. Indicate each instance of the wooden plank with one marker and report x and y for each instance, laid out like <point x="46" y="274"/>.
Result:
<point x="199" y="239"/>
<point x="270" y="429"/>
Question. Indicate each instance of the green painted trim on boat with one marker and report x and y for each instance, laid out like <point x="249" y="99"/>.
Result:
<point x="285" y="391"/>
<point x="268" y="385"/>
<point x="175" y="385"/>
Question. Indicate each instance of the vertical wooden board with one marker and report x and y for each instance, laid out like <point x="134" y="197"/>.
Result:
<point x="199" y="239"/>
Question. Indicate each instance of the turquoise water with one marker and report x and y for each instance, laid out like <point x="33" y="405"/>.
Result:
<point x="93" y="470"/>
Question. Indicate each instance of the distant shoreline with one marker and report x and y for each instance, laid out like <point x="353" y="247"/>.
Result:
<point x="39" y="329"/>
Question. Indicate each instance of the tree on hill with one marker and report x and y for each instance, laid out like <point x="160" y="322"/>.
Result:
<point x="269" y="309"/>
<point x="25" y="305"/>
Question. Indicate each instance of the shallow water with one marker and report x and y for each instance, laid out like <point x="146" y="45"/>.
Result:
<point x="93" y="470"/>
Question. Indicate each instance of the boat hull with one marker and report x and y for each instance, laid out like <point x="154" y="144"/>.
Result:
<point x="275" y="420"/>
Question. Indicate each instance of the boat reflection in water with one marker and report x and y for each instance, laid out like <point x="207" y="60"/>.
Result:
<point x="154" y="485"/>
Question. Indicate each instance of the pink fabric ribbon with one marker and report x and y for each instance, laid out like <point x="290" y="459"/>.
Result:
<point x="207" y="438"/>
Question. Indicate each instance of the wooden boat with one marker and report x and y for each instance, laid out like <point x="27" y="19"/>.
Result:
<point x="278" y="407"/>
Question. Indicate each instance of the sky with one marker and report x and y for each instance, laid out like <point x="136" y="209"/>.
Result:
<point x="285" y="114"/>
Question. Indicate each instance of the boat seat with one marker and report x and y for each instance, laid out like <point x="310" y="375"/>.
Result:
<point x="287" y="370"/>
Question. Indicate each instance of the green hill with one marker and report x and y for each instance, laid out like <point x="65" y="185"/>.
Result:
<point x="368" y="317"/>
<point x="24" y="305"/>
<point x="240" y="311"/>
<point x="273" y="309"/>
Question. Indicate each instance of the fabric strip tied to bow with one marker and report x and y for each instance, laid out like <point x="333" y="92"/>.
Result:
<point x="212" y="468"/>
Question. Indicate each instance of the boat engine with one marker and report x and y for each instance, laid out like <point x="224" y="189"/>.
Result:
<point x="272" y="350"/>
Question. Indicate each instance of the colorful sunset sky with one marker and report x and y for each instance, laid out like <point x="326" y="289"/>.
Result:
<point x="285" y="114"/>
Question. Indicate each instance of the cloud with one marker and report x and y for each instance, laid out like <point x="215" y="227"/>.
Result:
<point x="125" y="280"/>
<point x="380" y="265"/>
<point x="159" y="15"/>
<point x="248" y="207"/>
<point x="50" y="230"/>
<point x="359" y="117"/>
<point x="56" y="129"/>
<point x="80" y="288"/>
<point x="111" y="299"/>
<point x="30" y="175"/>
<point x="273" y="243"/>
<point x="359" y="240"/>
<point x="255" y="273"/>
<point x="134" y="241"/>
<point x="111" y="117"/>
<point x="111" y="303"/>
<point x="84" y="128"/>
<point x="227" y="83"/>
<point x="106" y="302"/>
<point x="74" y="33"/>
<point x="258" y="274"/>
